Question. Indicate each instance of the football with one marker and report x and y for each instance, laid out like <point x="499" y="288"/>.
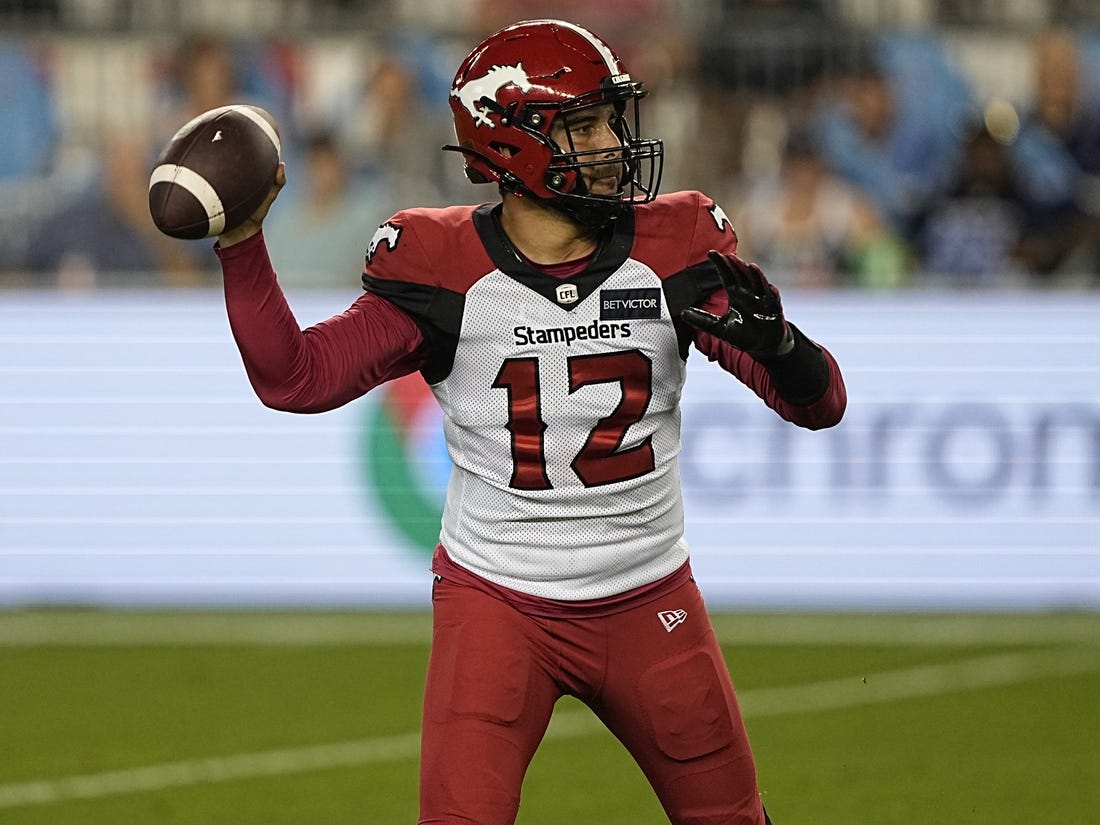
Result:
<point x="214" y="172"/>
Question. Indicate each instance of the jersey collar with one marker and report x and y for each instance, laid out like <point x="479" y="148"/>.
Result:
<point x="611" y="253"/>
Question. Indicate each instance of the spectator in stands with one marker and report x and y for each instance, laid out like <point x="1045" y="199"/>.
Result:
<point x="1059" y="151"/>
<point x="207" y="74"/>
<point x="327" y="224"/>
<point x="207" y="71"/>
<point x="809" y="228"/>
<point x="106" y="235"/>
<point x="28" y="142"/>
<point x="28" y="132"/>
<point x="392" y="122"/>
<point x="972" y="234"/>
<point x="891" y="128"/>
<point x="990" y="228"/>
<point x="377" y="125"/>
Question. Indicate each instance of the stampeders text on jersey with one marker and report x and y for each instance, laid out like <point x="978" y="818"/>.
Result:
<point x="596" y="331"/>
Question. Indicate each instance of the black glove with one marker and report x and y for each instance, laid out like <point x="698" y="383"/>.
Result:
<point x="755" y="322"/>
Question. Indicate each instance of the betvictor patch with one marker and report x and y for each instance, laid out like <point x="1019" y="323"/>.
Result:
<point x="621" y="304"/>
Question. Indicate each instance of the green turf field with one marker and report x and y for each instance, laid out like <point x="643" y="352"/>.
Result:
<point x="311" y="719"/>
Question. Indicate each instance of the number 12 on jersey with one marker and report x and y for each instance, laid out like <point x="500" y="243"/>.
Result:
<point x="600" y="461"/>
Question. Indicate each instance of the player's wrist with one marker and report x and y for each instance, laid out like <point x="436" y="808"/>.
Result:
<point x="801" y="376"/>
<point x="236" y="236"/>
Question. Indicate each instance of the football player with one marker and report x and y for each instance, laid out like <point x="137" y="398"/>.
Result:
<point x="554" y="327"/>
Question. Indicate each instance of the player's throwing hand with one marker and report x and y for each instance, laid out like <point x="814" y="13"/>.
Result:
<point x="255" y="221"/>
<point x="754" y="322"/>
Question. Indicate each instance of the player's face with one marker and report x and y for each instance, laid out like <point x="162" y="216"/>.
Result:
<point x="594" y="129"/>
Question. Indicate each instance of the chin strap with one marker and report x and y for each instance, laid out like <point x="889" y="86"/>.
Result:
<point x="590" y="213"/>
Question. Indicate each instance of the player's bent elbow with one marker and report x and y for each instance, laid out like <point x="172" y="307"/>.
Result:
<point x="279" y="405"/>
<point x="820" y="414"/>
<point x="290" y="406"/>
<point x="282" y="401"/>
<point x="825" y="423"/>
<point x="826" y="415"/>
<point x="829" y="409"/>
<point x="283" y="395"/>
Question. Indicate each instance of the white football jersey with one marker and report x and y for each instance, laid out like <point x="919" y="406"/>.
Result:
<point x="560" y="396"/>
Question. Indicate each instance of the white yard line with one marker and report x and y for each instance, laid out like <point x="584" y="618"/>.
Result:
<point x="191" y="629"/>
<point x="920" y="681"/>
<point x="215" y="769"/>
<point x="122" y="629"/>
<point x="855" y="691"/>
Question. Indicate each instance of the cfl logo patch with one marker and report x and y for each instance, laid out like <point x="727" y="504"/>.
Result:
<point x="567" y="294"/>
<point x="672" y="618"/>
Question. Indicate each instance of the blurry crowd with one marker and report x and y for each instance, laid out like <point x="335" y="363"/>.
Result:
<point x="896" y="173"/>
<point x="867" y="158"/>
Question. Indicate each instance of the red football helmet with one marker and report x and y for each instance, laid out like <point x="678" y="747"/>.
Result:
<point x="509" y="91"/>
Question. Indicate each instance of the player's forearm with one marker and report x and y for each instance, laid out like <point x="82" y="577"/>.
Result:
<point x="808" y="392"/>
<point x="809" y="385"/>
<point x="322" y="367"/>
<point x="263" y="326"/>
<point x="801" y="375"/>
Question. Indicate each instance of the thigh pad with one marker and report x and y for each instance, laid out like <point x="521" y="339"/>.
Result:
<point x="687" y="704"/>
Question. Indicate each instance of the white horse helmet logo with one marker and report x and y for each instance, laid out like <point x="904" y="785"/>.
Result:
<point x="474" y="91"/>
<point x="386" y="232"/>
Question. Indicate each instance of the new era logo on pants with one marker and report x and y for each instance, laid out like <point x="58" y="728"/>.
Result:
<point x="671" y="618"/>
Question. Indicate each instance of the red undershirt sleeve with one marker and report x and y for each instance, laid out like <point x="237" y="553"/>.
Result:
<point x="324" y="366"/>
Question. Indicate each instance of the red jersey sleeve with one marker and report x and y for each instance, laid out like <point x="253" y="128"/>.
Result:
<point x="324" y="366"/>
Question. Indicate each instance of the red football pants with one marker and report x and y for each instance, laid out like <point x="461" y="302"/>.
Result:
<point x="495" y="674"/>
